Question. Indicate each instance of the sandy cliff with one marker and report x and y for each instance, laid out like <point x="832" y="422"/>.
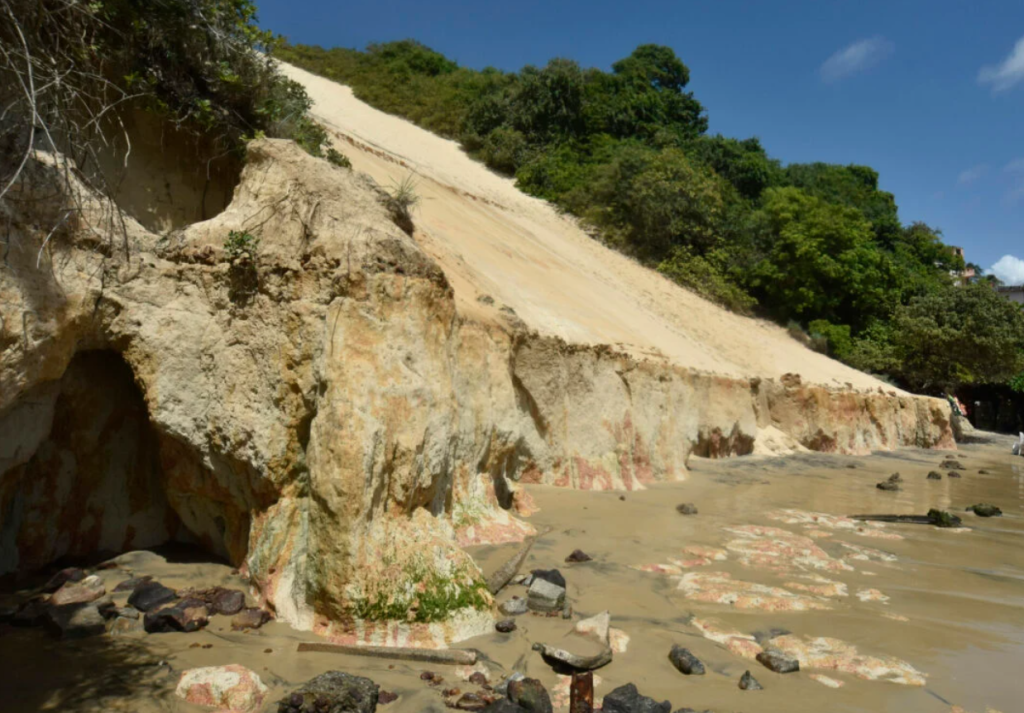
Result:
<point x="339" y="418"/>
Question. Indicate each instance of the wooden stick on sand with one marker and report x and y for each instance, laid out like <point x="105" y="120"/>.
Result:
<point x="455" y="657"/>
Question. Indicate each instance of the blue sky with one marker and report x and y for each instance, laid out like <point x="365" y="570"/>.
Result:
<point x="928" y="92"/>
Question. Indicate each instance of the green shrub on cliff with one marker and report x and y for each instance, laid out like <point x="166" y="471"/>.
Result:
<point x="72" y="72"/>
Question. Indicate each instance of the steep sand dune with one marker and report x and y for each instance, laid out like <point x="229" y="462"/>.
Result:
<point x="492" y="239"/>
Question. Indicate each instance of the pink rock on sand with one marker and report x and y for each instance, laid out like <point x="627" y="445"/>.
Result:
<point x="230" y="688"/>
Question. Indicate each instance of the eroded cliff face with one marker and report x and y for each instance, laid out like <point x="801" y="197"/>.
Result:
<point x="340" y="431"/>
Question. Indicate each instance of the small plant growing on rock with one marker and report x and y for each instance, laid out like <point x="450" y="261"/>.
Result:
<point x="242" y="248"/>
<point x="401" y="201"/>
<point x="337" y="158"/>
<point x="241" y="245"/>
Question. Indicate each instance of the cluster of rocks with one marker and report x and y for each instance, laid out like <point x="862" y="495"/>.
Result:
<point x="688" y="664"/>
<point x="74" y="605"/>
<point x="515" y="693"/>
<point x="589" y="645"/>
<point x="545" y="595"/>
<point x="952" y="467"/>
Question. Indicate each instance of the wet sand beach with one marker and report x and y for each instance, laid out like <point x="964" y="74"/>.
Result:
<point x="908" y="618"/>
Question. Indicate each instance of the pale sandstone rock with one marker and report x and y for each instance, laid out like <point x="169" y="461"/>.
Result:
<point x="338" y="436"/>
<point x="88" y="590"/>
<point x="230" y="688"/>
<point x="596" y="627"/>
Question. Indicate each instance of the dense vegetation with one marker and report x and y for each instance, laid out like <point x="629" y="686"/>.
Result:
<point x="818" y="246"/>
<point x="71" y="72"/>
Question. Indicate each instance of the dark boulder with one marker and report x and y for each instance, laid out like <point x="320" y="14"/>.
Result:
<point x="129" y="585"/>
<point x="774" y="661"/>
<point x="147" y="596"/>
<point x="952" y="474"/>
<point x="227" y="601"/>
<point x="530" y="695"/>
<point x="749" y="683"/>
<point x="626" y="699"/>
<point x="934" y="475"/>
<point x="985" y="510"/>
<point x="503" y="705"/>
<point x="333" y="692"/>
<point x="686" y="509"/>
<point x="550" y="575"/>
<point x="506" y="626"/>
<point x="578" y="556"/>
<point x="941" y="518"/>
<point x="188" y="615"/>
<point x="685" y="661"/>
<point x="892" y="483"/>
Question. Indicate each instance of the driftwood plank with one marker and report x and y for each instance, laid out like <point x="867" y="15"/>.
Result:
<point x="461" y="657"/>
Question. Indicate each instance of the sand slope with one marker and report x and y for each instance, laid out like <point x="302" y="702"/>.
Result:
<point x="492" y="239"/>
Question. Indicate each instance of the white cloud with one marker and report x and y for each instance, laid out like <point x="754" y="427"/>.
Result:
<point x="861" y="55"/>
<point x="1009" y="269"/>
<point x="1008" y="73"/>
<point x="972" y="174"/>
<point x="1015" y="166"/>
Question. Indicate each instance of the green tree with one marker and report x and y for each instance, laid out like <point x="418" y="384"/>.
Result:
<point x="659" y="200"/>
<point x="646" y="95"/>
<point x="853" y="186"/>
<point x="745" y="164"/>
<point x="957" y="336"/>
<point x="819" y="261"/>
<point x="547" y="104"/>
<point x="706" y="275"/>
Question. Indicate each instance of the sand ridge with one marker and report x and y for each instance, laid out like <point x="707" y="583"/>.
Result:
<point x="491" y="239"/>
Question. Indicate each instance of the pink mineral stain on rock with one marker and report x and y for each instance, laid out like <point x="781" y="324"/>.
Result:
<point x="818" y="522"/>
<point x="827" y="654"/>
<point x="871" y="595"/>
<point x="780" y="550"/>
<point x="721" y="588"/>
<point x="826" y="681"/>
<point x="670" y="569"/>
<point x="740" y="644"/>
<point x="230" y="688"/>
<point x="820" y="586"/>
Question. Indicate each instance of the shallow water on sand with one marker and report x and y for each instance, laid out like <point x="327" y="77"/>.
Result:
<point x="942" y="608"/>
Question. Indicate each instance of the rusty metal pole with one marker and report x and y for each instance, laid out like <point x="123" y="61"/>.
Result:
<point x="581" y="693"/>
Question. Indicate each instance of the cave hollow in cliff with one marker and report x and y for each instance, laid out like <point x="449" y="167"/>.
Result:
<point x="90" y="479"/>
